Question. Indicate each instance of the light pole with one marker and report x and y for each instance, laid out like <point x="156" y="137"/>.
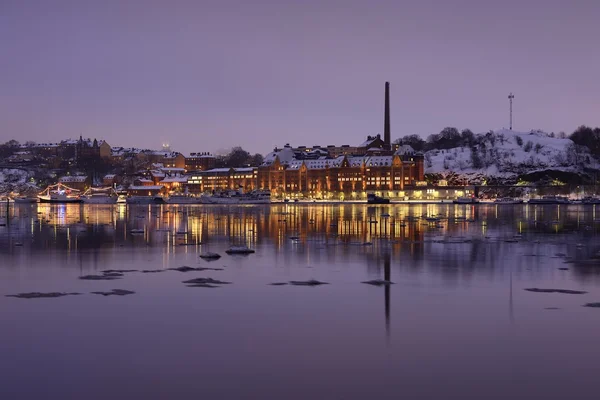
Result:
<point x="510" y="100"/>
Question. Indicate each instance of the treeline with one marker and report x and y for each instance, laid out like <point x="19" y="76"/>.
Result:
<point x="239" y="158"/>
<point x="588" y="137"/>
<point x="448" y="138"/>
<point x="451" y="137"/>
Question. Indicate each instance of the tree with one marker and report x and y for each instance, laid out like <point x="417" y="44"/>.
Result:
<point x="467" y="137"/>
<point x="588" y="137"/>
<point x="449" y="137"/>
<point x="414" y="141"/>
<point x="237" y="157"/>
<point x="12" y="143"/>
<point x="519" y="140"/>
<point x="475" y="159"/>
<point x="256" y="160"/>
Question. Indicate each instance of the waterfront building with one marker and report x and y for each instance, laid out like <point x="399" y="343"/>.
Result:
<point x="79" y="182"/>
<point x="199" y="162"/>
<point x="222" y="179"/>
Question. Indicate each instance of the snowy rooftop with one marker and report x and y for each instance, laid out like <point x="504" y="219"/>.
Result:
<point x="248" y="169"/>
<point x="66" y="179"/>
<point x="405" y="149"/>
<point x="153" y="187"/>
<point x="175" y="179"/>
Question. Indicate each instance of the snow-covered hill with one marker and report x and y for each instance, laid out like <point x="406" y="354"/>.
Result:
<point x="13" y="180"/>
<point x="507" y="154"/>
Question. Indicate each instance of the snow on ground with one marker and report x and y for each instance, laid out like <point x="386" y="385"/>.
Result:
<point x="506" y="154"/>
<point x="15" y="180"/>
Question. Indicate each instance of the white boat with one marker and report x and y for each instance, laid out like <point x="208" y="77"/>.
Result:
<point x="508" y="200"/>
<point x="236" y="197"/>
<point x="466" y="200"/>
<point x="99" y="196"/>
<point x="549" y="200"/>
<point x="182" y="198"/>
<point x="59" y="193"/>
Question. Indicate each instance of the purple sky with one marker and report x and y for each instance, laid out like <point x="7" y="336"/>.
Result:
<point x="208" y="75"/>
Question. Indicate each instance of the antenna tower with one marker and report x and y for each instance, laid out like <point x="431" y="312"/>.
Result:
<point x="510" y="100"/>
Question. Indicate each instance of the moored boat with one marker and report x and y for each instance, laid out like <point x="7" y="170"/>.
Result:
<point x="182" y="198"/>
<point x="105" y="195"/>
<point x="373" y="199"/>
<point x="549" y="200"/>
<point x="25" y="200"/>
<point x="590" y="200"/>
<point x="508" y="200"/>
<point x="237" y="197"/>
<point x="466" y="200"/>
<point x="60" y="194"/>
<point x="144" y="199"/>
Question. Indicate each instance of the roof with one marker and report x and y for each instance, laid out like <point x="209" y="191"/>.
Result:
<point x="370" y="139"/>
<point x="200" y="155"/>
<point x="378" y="161"/>
<point x="248" y="169"/>
<point x="356" y="161"/>
<point x="173" y="169"/>
<point x="175" y="179"/>
<point x="80" y="179"/>
<point x="285" y="155"/>
<point x="217" y="170"/>
<point x="405" y="149"/>
<point x="153" y="187"/>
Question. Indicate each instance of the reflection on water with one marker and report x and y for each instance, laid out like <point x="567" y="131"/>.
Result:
<point x="460" y="235"/>
<point x="458" y="313"/>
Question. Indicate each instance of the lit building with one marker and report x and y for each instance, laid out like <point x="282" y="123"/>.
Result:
<point x="221" y="179"/>
<point x="199" y="162"/>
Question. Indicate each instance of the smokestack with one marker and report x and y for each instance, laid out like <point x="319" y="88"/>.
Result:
<point x="386" y="123"/>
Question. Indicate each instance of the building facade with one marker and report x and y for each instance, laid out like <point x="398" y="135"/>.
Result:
<point x="199" y="162"/>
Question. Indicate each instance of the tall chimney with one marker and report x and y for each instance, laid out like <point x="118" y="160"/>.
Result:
<point x="386" y="123"/>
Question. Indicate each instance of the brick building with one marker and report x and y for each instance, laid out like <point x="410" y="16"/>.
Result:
<point x="199" y="162"/>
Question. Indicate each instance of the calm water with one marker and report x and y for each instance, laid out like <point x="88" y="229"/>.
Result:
<point x="457" y="323"/>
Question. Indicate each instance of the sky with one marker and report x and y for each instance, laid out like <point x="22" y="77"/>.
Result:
<point x="209" y="75"/>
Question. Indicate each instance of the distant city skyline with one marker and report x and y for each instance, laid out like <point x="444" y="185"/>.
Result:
<point x="210" y="75"/>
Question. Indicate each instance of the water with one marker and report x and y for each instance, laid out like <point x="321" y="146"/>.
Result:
<point x="457" y="323"/>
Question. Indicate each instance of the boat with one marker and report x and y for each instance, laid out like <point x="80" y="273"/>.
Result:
<point x="25" y="200"/>
<point x="105" y="195"/>
<point x="144" y="199"/>
<point x="465" y="200"/>
<point x="60" y="194"/>
<point x="549" y="200"/>
<point x="508" y="200"/>
<point x="182" y="198"/>
<point x="590" y="200"/>
<point x="373" y="199"/>
<point x="238" y="197"/>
